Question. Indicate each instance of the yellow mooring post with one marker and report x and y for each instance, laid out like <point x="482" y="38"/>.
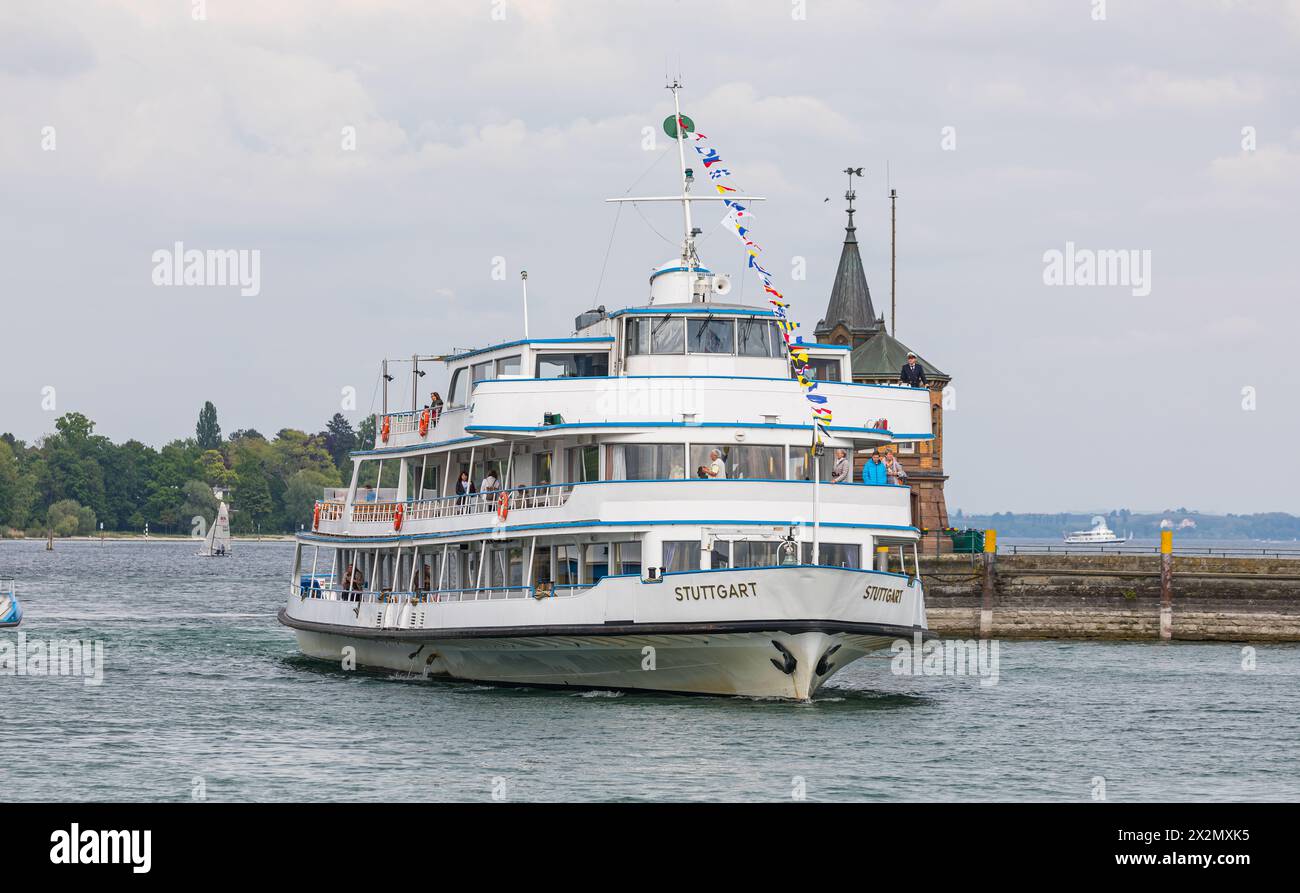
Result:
<point x="1166" y="584"/>
<point x="990" y="562"/>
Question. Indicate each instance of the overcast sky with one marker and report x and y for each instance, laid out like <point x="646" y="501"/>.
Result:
<point x="496" y="129"/>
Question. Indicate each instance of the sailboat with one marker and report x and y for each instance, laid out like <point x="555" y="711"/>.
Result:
<point x="11" y="613"/>
<point x="217" y="543"/>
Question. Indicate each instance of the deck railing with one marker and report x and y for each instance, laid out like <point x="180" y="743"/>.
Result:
<point x="442" y="596"/>
<point x="545" y="496"/>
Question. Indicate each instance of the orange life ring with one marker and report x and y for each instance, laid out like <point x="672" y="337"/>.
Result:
<point x="315" y="517"/>
<point x="397" y="516"/>
<point x="503" y="505"/>
<point x="424" y="423"/>
<point x="383" y="429"/>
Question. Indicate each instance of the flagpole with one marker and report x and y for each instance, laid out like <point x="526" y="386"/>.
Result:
<point x="523" y="275"/>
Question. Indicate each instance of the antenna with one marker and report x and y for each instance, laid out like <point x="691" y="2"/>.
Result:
<point x="688" y="243"/>
<point x="893" y="281"/>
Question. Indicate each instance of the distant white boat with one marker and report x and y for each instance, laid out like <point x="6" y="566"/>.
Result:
<point x="1099" y="534"/>
<point x="217" y="543"/>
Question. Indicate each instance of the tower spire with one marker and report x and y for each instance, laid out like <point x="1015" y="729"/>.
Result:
<point x="849" y="195"/>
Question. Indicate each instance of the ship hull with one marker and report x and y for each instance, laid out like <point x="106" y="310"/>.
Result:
<point x="734" y="650"/>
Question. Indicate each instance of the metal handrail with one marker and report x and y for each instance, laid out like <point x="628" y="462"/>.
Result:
<point x="439" y="596"/>
<point x="543" y="496"/>
<point x="1128" y="549"/>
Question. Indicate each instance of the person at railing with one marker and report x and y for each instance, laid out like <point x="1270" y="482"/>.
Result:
<point x="434" y="407"/>
<point x="912" y="373"/>
<point x="426" y="578"/>
<point x="489" y="483"/>
<point x="841" y="471"/>
<point x="894" y="472"/>
<point x="464" y="488"/>
<point x="352" y="581"/>
<point x="873" y="470"/>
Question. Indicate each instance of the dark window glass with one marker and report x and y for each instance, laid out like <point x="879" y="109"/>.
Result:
<point x="835" y="554"/>
<point x="573" y="365"/>
<point x="711" y="335"/>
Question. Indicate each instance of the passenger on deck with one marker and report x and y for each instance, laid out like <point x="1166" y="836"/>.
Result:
<point x="352" y="581"/>
<point x="841" y="471"/>
<point x="464" y="488"/>
<point x="435" y="407"/>
<point x="912" y="373"/>
<point x="873" y="470"/>
<point x="717" y="467"/>
<point x="702" y="472"/>
<point x="894" y="472"/>
<point x="490" y="483"/>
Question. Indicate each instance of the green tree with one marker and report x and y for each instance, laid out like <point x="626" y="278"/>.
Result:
<point x="198" y="502"/>
<point x="65" y="517"/>
<point x="304" y="488"/>
<point x="207" y="432"/>
<point x="340" y="440"/>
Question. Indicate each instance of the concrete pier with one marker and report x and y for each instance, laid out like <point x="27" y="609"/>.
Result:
<point x="1113" y="596"/>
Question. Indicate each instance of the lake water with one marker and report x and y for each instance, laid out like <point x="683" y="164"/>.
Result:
<point x="204" y="691"/>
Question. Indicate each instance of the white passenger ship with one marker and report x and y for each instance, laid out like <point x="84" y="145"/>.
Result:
<point x="605" y="560"/>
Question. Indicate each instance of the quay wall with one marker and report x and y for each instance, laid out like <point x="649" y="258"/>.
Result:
<point x="1100" y="596"/>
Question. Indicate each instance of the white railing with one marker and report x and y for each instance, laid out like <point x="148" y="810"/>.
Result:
<point x="546" y="496"/>
<point x="442" y="596"/>
<point x="331" y="510"/>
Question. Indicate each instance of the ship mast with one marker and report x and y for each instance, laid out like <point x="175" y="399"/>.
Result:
<point x="690" y="261"/>
<point x="689" y="258"/>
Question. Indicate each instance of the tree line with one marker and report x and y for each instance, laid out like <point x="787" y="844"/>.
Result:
<point x="72" y="481"/>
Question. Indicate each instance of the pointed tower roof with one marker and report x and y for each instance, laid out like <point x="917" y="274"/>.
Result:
<point x="850" y="303"/>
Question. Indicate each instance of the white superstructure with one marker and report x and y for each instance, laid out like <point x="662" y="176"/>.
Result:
<point x="605" y="559"/>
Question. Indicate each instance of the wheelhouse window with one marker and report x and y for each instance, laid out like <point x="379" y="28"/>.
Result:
<point x="711" y="336"/>
<point x="508" y="366"/>
<point x="651" y="335"/>
<point x="573" y="365"/>
<point x="742" y="460"/>
<point x="759" y="338"/>
<point x="647" y="461"/>
<point x="482" y="371"/>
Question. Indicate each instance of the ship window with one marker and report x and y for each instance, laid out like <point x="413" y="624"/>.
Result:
<point x="824" y="369"/>
<point x="711" y="336"/>
<point x="906" y="448"/>
<point x="482" y="371"/>
<point x="647" y="461"/>
<point x="573" y="365"/>
<point x="508" y="366"/>
<point x="743" y="461"/>
<point x="681" y="555"/>
<point x="667" y="335"/>
<point x="629" y="557"/>
<point x="758" y="338"/>
<point x="542" y="468"/>
<point x="567" y="558"/>
<point x="720" y="556"/>
<point x="799" y="464"/>
<point x="835" y="554"/>
<point x="459" y="387"/>
<point x="584" y="464"/>
<point x="755" y="553"/>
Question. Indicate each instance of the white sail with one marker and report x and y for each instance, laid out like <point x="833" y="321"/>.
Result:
<point x="217" y="542"/>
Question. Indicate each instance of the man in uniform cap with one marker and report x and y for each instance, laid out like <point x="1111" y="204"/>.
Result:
<point x="912" y="373"/>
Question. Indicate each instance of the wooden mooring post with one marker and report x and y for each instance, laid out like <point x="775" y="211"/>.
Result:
<point x="990" y="566"/>
<point x="1166" y="585"/>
